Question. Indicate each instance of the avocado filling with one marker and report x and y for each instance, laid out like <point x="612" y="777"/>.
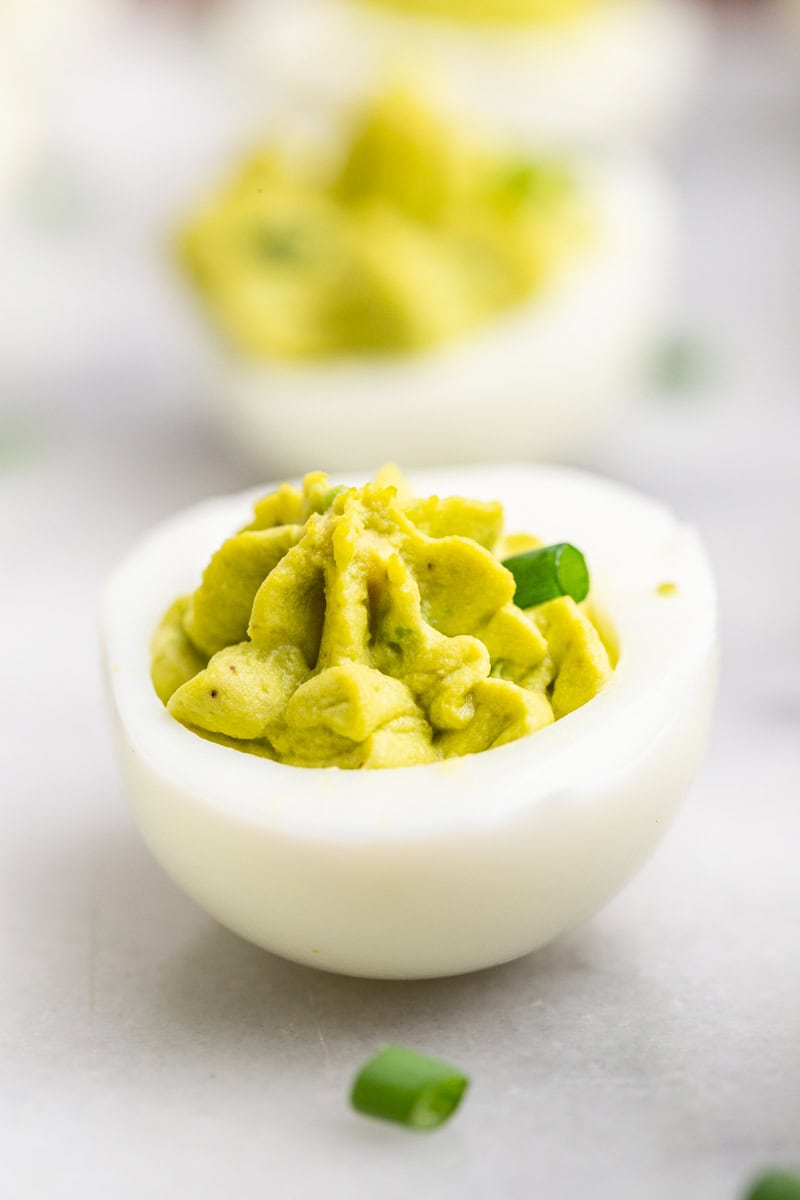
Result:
<point x="412" y="239"/>
<point x="361" y="627"/>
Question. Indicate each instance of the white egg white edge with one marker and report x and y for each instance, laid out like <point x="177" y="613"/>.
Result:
<point x="537" y="381"/>
<point x="668" y="654"/>
<point x="622" y="72"/>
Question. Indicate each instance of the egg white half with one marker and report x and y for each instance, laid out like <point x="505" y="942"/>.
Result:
<point x="623" y="72"/>
<point x="535" y="382"/>
<point x="432" y="870"/>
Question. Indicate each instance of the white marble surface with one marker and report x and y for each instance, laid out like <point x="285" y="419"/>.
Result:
<point x="653" y="1053"/>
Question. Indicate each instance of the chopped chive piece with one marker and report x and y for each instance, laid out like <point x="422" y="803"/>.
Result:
<point x="545" y="574"/>
<point x="278" y="245"/>
<point x="776" y="1185"/>
<point x="409" y="1088"/>
<point x="330" y="496"/>
<point x="679" y="365"/>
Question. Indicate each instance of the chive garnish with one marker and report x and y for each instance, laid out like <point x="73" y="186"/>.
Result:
<point x="548" y="573"/>
<point x="776" y="1185"/>
<point x="409" y="1088"/>
<point x="278" y="245"/>
<point x="329" y="497"/>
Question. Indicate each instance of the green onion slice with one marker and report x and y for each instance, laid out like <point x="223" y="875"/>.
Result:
<point x="548" y="573"/>
<point x="329" y="497"/>
<point x="776" y="1185"/>
<point x="409" y="1088"/>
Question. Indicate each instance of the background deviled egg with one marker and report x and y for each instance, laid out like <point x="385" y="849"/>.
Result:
<point x="566" y="73"/>
<point x="406" y="291"/>
<point x="443" y="868"/>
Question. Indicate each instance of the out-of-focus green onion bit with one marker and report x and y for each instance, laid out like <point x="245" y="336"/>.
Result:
<point x="776" y="1185"/>
<point x="408" y="1088"/>
<point x="330" y="496"/>
<point x="680" y="365"/>
<point x="548" y="573"/>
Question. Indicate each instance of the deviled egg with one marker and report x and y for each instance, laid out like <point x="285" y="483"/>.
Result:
<point x="557" y="73"/>
<point x="530" y="758"/>
<point x="414" y="293"/>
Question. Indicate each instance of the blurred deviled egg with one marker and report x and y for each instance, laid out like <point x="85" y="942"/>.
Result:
<point x="544" y="72"/>
<point x="407" y="291"/>
<point x="528" y="715"/>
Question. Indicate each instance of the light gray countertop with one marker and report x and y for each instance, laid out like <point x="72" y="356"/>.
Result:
<point x="654" y="1053"/>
